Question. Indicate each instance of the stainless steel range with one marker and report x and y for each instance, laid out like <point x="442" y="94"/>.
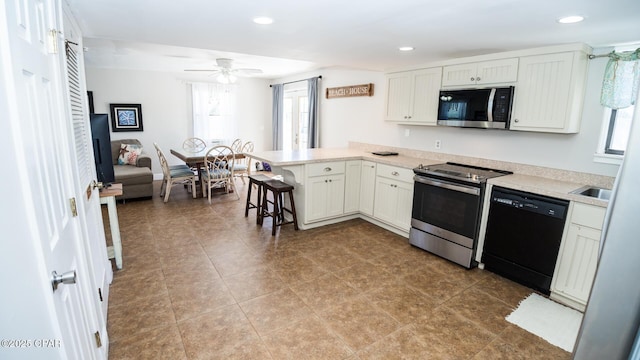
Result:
<point x="447" y="205"/>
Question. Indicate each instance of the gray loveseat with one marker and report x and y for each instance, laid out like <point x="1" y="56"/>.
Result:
<point x="137" y="181"/>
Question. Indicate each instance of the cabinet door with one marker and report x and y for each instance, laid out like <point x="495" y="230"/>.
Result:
<point x="317" y="188"/>
<point x="398" y="98"/>
<point x="385" y="200"/>
<point x="352" y="186"/>
<point x="404" y="196"/>
<point x="497" y="71"/>
<point x="481" y="73"/>
<point x="577" y="263"/>
<point x="367" y="187"/>
<point x="325" y="197"/>
<point x="456" y="75"/>
<point x="393" y="202"/>
<point x="541" y="100"/>
<point x="335" y="196"/>
<point x="424" y="102"/>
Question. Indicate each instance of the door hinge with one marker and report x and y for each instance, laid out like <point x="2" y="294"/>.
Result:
<point x="98" y="341"/>
<point x="100" y="294"/>
<point x="74" y="208"/>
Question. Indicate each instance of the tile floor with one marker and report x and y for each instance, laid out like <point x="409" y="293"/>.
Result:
<point x="202" y="281"/>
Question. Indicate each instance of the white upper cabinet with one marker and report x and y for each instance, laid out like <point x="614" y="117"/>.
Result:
<point x="412" y="96"/>
<point x="481" y="73"/>
<point x="549" y="93"/>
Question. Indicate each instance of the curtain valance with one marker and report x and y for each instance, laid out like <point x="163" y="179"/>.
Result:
<point x="621" y="80"/>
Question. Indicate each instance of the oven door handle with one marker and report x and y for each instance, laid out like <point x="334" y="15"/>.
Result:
<point x="448" y="185"/>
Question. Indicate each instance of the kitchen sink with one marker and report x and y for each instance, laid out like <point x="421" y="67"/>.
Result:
<point x="594" y="192"/>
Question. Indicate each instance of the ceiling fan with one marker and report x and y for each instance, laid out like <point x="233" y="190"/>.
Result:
<point x="226" y="72"/>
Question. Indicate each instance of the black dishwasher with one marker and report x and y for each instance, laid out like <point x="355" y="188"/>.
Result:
<point x="523" y="236"/>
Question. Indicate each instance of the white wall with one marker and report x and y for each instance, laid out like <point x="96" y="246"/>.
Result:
<point x="166" y="107"/>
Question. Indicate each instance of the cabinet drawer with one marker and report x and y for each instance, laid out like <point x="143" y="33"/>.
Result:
<point x="394" y="172"/>
<point x="325" y="168"/>
<point x="588" y="215"/>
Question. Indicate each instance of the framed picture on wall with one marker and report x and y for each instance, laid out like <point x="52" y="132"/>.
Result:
<point x="126" y="117"/>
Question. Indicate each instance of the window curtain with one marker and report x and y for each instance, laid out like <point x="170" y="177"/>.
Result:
<point x="621" y="80"/>
<point x="277" y="115"/>
<point x="312" y="93"/>
<point x="213" y="112"/>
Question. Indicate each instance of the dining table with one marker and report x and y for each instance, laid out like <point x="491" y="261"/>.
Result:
<point x="196" y="159"/>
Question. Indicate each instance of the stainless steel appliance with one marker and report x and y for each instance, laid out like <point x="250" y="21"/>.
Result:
<point x="523" y="236"/>
<point x="479" y="108"/>
<point x="611" y="324"/>
<point x="447" y="204"/>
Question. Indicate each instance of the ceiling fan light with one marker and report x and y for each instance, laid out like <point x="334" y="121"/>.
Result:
<point x="222" y="79"/>
<point x="226" y="78"/>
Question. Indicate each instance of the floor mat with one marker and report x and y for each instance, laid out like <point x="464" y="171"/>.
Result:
<point x="557" y="324"/>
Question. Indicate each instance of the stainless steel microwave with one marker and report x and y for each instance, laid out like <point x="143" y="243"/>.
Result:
<point x="477" y="108"/>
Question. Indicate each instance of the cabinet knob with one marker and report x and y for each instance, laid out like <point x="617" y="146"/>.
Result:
<point x="327" y="169"/>
<point x="473" y="79"/>
<point x="516" y="120"/>
<point x="395" y="173"/>
<point x="477" y="79"/>
<point x="409" y="117"/>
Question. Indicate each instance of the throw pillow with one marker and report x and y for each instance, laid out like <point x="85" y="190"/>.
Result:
<point x="129" y="154"/>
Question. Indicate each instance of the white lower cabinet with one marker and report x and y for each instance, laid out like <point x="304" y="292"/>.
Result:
<point x="367" y="187"/>
<point x="352" y="186"/>
<point x="393" y="196"/>
<point x="324" y="190"/>
<point x="578" y="256"/>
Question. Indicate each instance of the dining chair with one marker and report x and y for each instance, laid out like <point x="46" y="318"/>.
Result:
<point x="180" y="174"/>
<point x="194" y="144"/>
<point x="218" y="170"/>
<point x="236" y="146"/>
<point x="242" y="166"/>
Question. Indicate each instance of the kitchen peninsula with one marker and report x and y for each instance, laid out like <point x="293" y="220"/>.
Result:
<point x="338" y="184"/>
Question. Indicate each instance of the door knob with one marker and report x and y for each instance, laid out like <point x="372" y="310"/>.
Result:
<point x="67" y="278"/>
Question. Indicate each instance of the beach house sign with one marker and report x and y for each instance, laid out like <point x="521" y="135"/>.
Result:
<point x="350" y="91"/>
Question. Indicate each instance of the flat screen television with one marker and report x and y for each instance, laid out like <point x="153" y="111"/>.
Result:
<point x="102" y="147"/>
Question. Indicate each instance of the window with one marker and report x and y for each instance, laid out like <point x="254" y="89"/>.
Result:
<point x="618" y="131"/>
<point x="213" y="112"/>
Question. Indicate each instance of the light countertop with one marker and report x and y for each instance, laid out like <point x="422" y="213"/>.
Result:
<point x="308" y="156"/>
<point x="534" y="184"/>
<point x="545" y="186"/>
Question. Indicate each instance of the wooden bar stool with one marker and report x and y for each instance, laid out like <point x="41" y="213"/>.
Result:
<point x="257" y="180"/>
<point x="278" y="189"/>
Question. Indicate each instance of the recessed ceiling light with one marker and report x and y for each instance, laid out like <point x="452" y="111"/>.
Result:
<point x="405" y="48"/>
<point x="263" y="20"/>
<point x="571" y="19"/>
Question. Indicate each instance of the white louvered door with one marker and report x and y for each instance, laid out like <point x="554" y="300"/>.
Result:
<point x="49" y="232"/>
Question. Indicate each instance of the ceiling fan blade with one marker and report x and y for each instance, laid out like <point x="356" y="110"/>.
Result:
<point x="247" y="71"/>
<point x="201" y="70"/>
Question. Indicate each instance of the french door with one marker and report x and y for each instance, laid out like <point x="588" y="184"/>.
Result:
<point x="295" y="120"/>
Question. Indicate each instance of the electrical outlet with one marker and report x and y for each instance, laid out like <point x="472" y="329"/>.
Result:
<point x="438" y="144"/>
<point x="407" y="132"/>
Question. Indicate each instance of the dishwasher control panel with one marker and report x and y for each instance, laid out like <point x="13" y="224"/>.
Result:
<point x="541" y="206"/>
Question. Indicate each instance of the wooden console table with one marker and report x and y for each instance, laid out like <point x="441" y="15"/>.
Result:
<point x="108" y="197"/>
